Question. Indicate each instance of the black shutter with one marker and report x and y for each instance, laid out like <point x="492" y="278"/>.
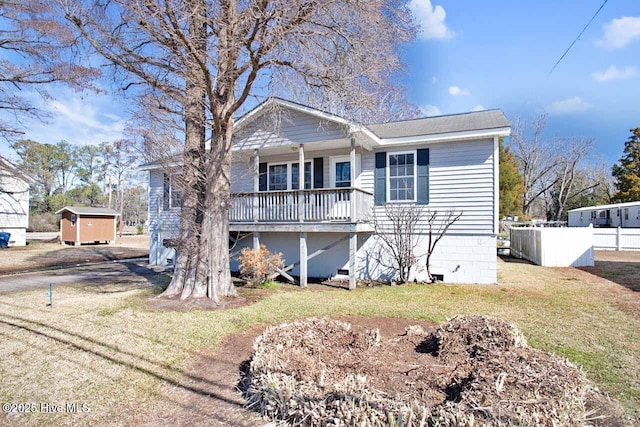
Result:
<point x="166" y="192"/>
<point x="262" y="172"/>
<point x="423" y="177"/>
<point x="318" y="172"/>
<point x="380" y="187"/>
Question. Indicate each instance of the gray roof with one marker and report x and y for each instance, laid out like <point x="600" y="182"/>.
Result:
<point x="479" y="120"/>
<point x="85" y="210"/>
<point x="12" y="170"/>
<point x="611" y="206"/>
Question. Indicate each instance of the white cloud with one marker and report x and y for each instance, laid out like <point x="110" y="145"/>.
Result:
<point x="430" y="20"/>
<point x="569" y="105"/>
<point x="614" y="73"/>
<point x="620" y="32"/>
<point x="430" y="110"/>
<point x="456" y="91"/>
<point x="479" y="107"/>
<point x="81" y="120"/>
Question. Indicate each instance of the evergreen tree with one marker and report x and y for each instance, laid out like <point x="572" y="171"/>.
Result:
<point x="627" y="170"/>
<point x="511" y="184"/>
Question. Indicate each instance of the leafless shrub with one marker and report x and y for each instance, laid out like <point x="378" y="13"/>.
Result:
<point x="257" y="266"/>
<point x="401" y="231"/>
<point x="44" y="222"/>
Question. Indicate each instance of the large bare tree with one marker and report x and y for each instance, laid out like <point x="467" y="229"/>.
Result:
<point x="34" y="54"/>
<point x="204" y="59"/>
<point x="549" y="167"/>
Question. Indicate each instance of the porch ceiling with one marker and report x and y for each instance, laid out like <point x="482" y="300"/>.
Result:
<point x="309" y="147"/>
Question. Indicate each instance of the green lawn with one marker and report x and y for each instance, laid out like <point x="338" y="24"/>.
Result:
<point x="105" y="347"/>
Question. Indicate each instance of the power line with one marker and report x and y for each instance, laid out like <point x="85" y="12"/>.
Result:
<point x="577" y="38"/>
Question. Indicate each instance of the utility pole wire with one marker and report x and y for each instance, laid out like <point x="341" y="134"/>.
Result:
<point x="577" y="38"/>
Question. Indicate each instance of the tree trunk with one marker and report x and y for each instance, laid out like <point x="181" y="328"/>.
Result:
<point x="202" y="264"/>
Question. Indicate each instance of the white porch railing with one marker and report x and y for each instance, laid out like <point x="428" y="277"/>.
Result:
<point x="320" y="205"/>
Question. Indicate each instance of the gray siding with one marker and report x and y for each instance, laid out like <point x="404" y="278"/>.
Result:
<point x="460" y="177"/>
<point x="14" y="208"/>
<point x="163" y="224"/>
<point x="242" y="166"/>
<point x="285" y="128"/>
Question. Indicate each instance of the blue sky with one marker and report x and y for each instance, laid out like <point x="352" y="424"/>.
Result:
<point x="474" y="55"/>
<point x="498" y="54"/>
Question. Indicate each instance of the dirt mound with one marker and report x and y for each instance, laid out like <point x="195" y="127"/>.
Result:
<point x="469" y="371"/>
<point x="476" y="337"/>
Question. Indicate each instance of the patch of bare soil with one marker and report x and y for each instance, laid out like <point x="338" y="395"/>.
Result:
<point x="404" y="363"/>
<point x="618" y="256"/>
<point x="47" y="255"/>
<point x="209" y="395"/>
<point x="469" y="370"/>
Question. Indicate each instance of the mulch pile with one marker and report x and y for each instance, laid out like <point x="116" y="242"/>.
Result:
<point x="470" y="371"/>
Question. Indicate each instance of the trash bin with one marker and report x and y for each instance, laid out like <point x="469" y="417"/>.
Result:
<point x="4" y="240"/>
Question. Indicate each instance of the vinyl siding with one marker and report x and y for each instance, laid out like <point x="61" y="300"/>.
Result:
<point x="242" y="166"/>
<point x="460" y="177"/>
<point x="14" y="208"/>
<point x="163" y="224"/>
<point x="288" y="127"/>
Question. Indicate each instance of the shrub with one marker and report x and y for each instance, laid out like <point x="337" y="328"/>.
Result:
<point x="44" y="222"/>
<point x="140" y="230"/>
<point x="257" y="267"/>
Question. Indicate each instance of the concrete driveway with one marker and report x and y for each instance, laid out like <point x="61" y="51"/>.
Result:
<point x="99" y="274"/>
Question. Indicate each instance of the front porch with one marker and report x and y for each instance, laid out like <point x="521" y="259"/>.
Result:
<point x="319" y="206"/>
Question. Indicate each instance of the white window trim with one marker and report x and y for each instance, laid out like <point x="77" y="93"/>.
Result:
<point x="171" y="178"/>
<point x="289" y="173"/>
<point x="332" y="169"/>
<point x="415" y="176"/>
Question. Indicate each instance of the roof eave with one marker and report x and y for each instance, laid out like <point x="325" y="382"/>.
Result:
<point x="86" y="213"/>
<point x="449" y="136"/>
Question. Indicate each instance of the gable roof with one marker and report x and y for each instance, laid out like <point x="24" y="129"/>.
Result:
<point x="7" y="166"/>
<point x="463" y="122"/>
<point x="472" y="125"/>
<point x="85" y="210"/>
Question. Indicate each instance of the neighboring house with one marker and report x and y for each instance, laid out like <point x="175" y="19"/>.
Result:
<point x="625" y="215"/>
<point x="14" y="202"/>
<point x="350" y="172"/>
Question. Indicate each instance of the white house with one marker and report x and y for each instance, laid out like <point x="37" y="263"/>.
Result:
<point x="14" y="202"/>
<point x="323" y="225"/>
<point x="625" y="215"/>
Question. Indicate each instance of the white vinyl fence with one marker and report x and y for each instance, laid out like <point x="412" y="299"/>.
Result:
<point x="553" y="247"/>
<point x="616" y="239"/>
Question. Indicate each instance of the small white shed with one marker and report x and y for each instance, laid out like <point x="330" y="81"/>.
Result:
<point x="624" y="215"/>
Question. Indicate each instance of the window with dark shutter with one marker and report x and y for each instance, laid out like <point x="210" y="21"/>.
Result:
<point x="423" y="177"/>
<point x="380" y="178"/>
<point x="318" y="172"/>
<point x="262" y="171"/>
<point x="166" y="192"/>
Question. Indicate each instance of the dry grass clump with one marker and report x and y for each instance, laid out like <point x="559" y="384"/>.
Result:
<point x="321" y="372"/>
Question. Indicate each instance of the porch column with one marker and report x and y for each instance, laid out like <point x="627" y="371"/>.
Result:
<point x="301" y="183"/>
<point x="352" y="171"/>
<point x="256" y="241"/>
<point x="353" y="247"/>
<point x="303" y="260"/>
<point x="256" y="185"/>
